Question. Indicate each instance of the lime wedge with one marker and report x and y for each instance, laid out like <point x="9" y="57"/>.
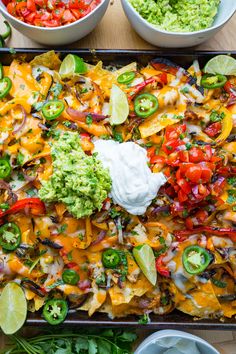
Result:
<point x="145" y="258"/>
<point x="72" y="64"/>
<point x="221" y="64"/>
<point x="119" y="106"/>
<point x="13" y="308"/>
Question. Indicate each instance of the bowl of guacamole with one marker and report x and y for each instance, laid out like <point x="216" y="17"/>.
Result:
<point x="178" y="23"/>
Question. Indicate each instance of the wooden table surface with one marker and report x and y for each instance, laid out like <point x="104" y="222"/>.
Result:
<point x="115" y="32"/>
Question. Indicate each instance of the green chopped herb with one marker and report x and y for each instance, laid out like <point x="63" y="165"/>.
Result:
<point x="144" y="319"/>
<point x="20" y="159"/>
<point x="89" y="119"/>
<point x="62" y="228"/>
<point x="216" y="117"/>
<point x="232" y="181"/>
<point x="114" y="213"/>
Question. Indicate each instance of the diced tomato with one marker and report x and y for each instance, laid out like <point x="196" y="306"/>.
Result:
<point x="21" y="7"/>
<point x="68" y="17"/>
<point x="196" y="155"/>
<point x="41" y="3"/>
<point x="173" y="132"/>
<point x="76" y="13"/>
<point x="194" y="173"/>
<point x="213" y="129"/>
<point x="31" y="5"/>
<point x="46" y="16"/>
<point x="157" y="160"/>
<point x="184" y="156"/>
<point x="182" y="197"/>
<point x="184" y="185"/>
<point x="77" y="4"/>
<point x="151" y="152"/>
<point x="30" y="18"/>
<point x="38" y="22"/>
<point x="170" y="146"/>
<point x="11" y="8"/>
<point x="208" y="152"/>
<point x="206" y="171"/>
<point x="51" y="23"/>
<point x="58" y="13"/>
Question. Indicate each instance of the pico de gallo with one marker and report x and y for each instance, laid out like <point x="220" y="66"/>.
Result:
<point x="128" y="213"/>
<point x="50" y="13"/>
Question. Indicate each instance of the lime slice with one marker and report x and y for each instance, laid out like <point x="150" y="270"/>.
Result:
<point x="72" y="64"/>
<point x="145" y="258"/>
<point x="221" y="64"/>
<point x="13" y="308"/>
<point x="119" y="106"/>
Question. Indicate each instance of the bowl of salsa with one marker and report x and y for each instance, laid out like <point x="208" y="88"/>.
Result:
<point x="54" y="22"/>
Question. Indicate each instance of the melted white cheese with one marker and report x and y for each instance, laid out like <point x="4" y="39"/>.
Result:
<point x="134" y="186"/>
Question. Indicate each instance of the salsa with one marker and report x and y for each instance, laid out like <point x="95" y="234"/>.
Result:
<point x="50" y="13"/>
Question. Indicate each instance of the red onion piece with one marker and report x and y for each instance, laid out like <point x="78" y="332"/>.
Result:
<point x="23" y="120"/>
<point x="84" y="284"/>
<point x="195" y="190"/>
<point x="159" y="209"/>
<point x="99" y="238"/>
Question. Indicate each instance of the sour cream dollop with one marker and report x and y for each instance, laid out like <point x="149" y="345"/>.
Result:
<point x="134" y="186"/>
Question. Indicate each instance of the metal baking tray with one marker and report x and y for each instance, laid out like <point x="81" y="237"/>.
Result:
<point x="176" y="319"/>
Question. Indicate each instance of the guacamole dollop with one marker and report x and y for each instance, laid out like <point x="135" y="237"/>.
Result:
<point x="178" y="15"/>
<point x="78" y="180"/>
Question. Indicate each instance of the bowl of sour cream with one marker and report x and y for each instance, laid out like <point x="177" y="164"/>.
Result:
<point x="174" y="342"/>
<point x="179" y="23"/>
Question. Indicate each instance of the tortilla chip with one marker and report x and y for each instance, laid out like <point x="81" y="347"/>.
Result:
<point x="123" y="296"/>
<point x="102" y="77"/>
<point x="201" y="302"/>
<point x="50" y="60"/>
<point x="94" y="301"/>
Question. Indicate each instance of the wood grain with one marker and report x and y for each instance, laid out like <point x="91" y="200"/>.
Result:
<point x="115" y="32"/>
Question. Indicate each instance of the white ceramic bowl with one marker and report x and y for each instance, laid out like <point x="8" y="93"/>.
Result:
<point x="150" y="344"/>
<point x="59" y="35"/>
<point x="167" y="39"/>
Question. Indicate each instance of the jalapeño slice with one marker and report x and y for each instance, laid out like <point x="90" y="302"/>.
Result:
<point x="5" y="86"/>
<point x="110" y="258"/>
<point x="5" y="168"/>
<point x="55" y="311"/>
<point x="53" y="109"/>
<point x="145" y="105"/>
<point x="10" y="236"/>
<point x="195" y="259"/>
<point x="126" y="78"/>
<point x="213" y="81"/>
<point x="70" y="276"/>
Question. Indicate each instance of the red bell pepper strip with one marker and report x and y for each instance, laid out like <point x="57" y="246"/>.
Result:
<point x="34" y="205"/>
<point x="161" y="268"/>
<point x="231" y="233"/>
<point x="230" y="89"/>
<point x="138" y="88"/>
